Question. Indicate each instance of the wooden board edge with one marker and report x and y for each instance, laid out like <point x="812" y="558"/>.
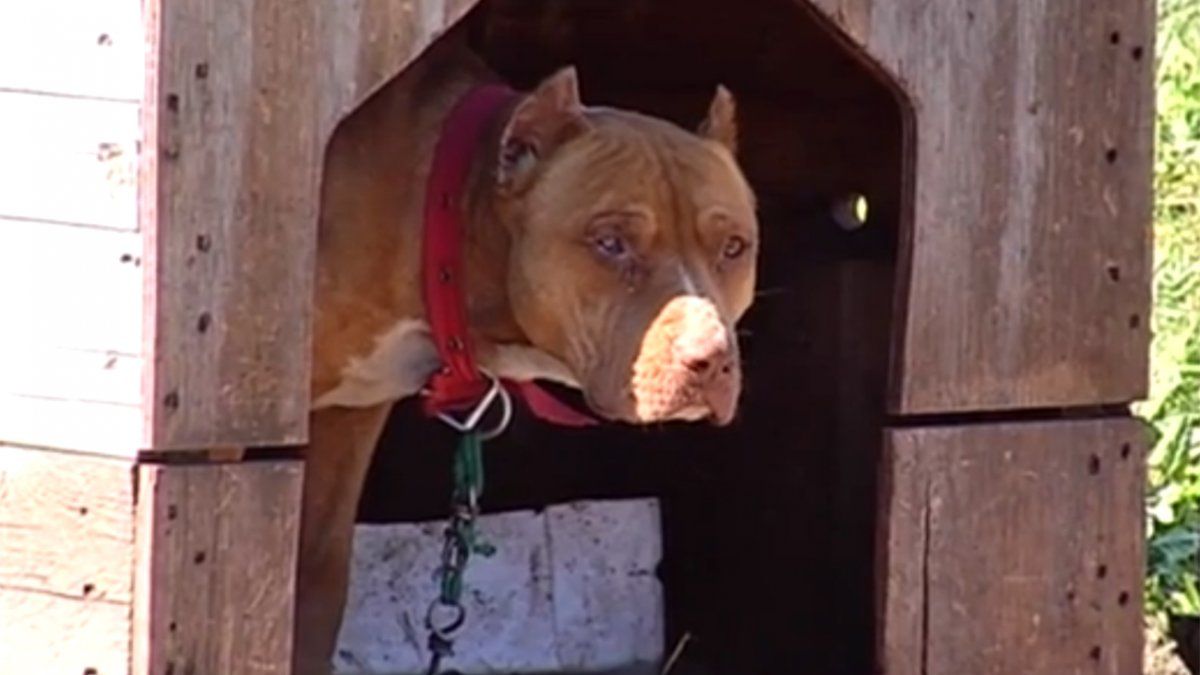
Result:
<point x="206" y="534"/>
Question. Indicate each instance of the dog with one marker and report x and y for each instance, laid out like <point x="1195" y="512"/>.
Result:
<point x="605" y="250"/>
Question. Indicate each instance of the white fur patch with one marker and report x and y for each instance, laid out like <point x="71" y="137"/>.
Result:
<point x="405" y="356"/>
<point x="689" y="285"/>
<point x="402" y="361"/>
<point x="522" y="363"/>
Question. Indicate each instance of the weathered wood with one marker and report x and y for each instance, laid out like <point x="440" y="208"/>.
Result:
<point x="216" y="557"/>
<point x="48" y="634"/>
<point x="1027" y="262"/>
<point x="69" y="160"/>
<point x="70" y="287"/>
<point x="70" y="364"/>
<point x="230" y="122"/>
<point x="365" y="43"/>
<point x="243" y="100"/>
<point x="1012" y="548"/>
<point x="87" y="48"/>
<point x="66" y="562"/>
<point x="103" y="428"/>
<point x="56" y="373"/>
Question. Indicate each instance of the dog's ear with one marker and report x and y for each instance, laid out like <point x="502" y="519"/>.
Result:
<point x="721" y="123"/>
<point x="545" y="118"/>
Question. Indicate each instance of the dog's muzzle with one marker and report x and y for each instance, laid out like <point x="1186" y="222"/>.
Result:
<point x="688" y="367"/>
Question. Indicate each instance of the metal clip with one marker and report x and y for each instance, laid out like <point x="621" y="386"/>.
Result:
<point x="495" y="392"/>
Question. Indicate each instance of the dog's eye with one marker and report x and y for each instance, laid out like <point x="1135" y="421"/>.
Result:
<point x="735" y="246"/>
<point x="610" y="245"/>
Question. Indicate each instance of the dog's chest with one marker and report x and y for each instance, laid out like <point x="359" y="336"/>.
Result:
<point x="405" y="356"/>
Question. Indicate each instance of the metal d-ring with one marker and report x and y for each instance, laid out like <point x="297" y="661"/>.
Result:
<point x="495" y="392"/>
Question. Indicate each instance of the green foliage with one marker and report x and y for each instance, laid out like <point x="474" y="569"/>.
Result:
<point x="1173" y="493"/>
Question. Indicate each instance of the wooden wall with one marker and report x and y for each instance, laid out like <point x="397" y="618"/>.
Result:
<point x="66" y="562"/>
<point x="71" y="75"/>
<point x="243" y="100"/>
<point x="159" y="256"/>
<point x="1024" y="267"/>
<point x="1027" y="230"/>
<point x="1013" y="548"/>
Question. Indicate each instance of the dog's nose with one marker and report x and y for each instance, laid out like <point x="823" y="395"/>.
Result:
<point x="707" y="355"/>
<point x="710" y="360"/>
<point x="688" y="366"/>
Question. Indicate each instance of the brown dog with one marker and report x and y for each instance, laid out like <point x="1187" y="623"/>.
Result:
<point x="605" y="250"/>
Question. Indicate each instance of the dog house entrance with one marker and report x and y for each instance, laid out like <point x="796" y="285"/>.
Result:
<point x="768" y="525"/>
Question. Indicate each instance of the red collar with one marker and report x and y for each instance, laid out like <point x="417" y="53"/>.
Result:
<point x="459" y="385"/>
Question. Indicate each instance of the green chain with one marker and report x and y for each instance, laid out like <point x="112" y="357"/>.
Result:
<point x="468" y="488"/>
<point x="461" y="541"/>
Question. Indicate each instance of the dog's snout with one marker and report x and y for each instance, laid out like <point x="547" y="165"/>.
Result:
<point x="706" y="355"/>
<point x="688" y="366"/>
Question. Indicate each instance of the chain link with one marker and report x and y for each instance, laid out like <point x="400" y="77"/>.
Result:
<point x="446" y="614"/>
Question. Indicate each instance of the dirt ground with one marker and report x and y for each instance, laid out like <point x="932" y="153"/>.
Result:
<point x="1161" y="656"/>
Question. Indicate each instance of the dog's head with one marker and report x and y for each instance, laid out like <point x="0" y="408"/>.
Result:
<point x="634" y="251"/>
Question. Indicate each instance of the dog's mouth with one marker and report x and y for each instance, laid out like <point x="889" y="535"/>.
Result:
<point x="679" y="406"/>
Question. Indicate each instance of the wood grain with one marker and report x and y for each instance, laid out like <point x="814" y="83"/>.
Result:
<point x="243" y="100"/>
<point x="1013" y="548"/>
<point x="216" y="558"/>
<point x="230" y="250"/>
<point x="48" y="634"/>
<point x="90" y="48"/>
<point x="66" y="562"/>
<point x="366" y="43"/>
<point x="1027" y="261"/>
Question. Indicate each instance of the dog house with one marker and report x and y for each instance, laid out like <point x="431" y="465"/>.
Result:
<point x="935" y="470"/>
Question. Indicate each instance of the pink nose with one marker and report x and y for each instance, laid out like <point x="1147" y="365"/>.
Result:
<point x="688" y="367"/>
<point x="706" y="355"/>
<point x="711" y="364"/>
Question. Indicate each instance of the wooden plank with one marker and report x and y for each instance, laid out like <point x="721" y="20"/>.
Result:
<point x="49" y="634"/>
<point x="104" y="428"/>
<point x="67" y="522"/>
<point x="66" y="562"/>
<point x="1027" y="261"/>
<point x="244" y="98"/>
<point x="78" y="47"/>
<point x="368" y="43"/>
<point x="70" y="370"/>
<point x="216" y="558"/>
<point x="1013" y="548"/>
<point x="69" y="160"/>
<point x="235" y="198"/>
<point x="71" y="375"/>
<point x="71" y="287"/>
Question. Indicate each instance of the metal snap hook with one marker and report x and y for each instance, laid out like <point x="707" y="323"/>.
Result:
<point x="495" y="392"/>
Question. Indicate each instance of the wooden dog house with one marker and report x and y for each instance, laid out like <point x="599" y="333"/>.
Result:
<point x="935" y="471"/>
